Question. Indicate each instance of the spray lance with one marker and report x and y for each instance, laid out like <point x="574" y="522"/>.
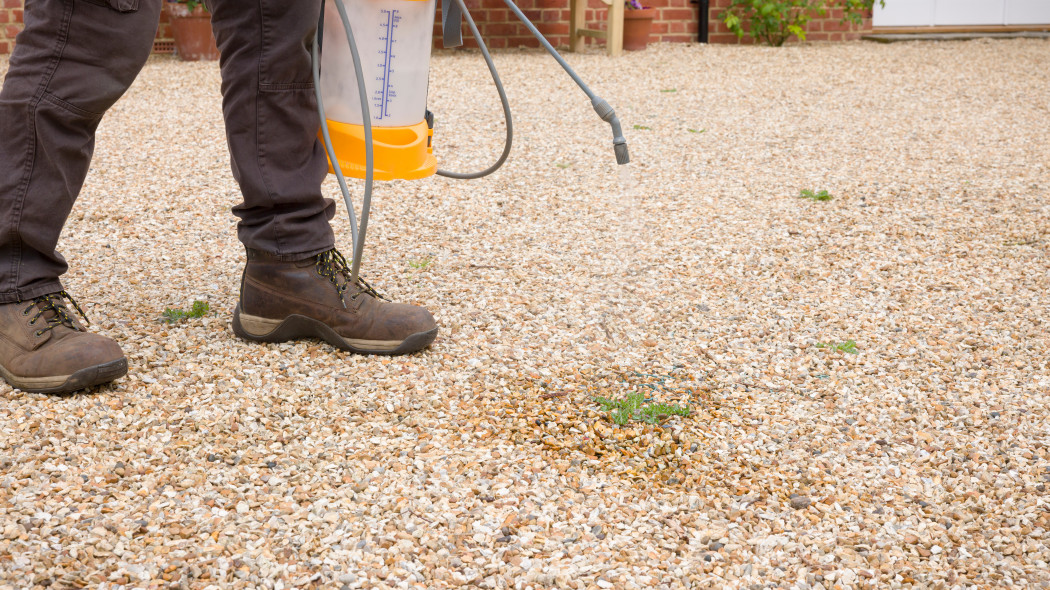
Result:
<point x="381" y="110"/>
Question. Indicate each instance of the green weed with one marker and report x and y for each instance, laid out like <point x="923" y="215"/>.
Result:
<point x="696" y="130"/>
<point x="669" y="90"/>
<point x="849" y="346"/>
<point x="421" y="263"/>
<point x="199" y="310"/>
<point x="634" y="407"/>
<point x="821" y="196"/>
<point x="643" y="127"/>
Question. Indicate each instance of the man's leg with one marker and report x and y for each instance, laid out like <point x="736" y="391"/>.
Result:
<point x="72" y="61"/>
<point x="271" y="124"/>
<point x="295" y="284"/>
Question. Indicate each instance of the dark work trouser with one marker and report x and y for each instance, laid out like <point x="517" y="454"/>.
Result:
<point x="75" y="58"/>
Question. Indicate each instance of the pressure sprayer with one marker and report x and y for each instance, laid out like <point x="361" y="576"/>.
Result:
<point x="380" y="112"/>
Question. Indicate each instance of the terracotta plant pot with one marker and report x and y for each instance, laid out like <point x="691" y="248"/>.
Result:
<point x="636" y="27"/>
<point x="194" y="40"/>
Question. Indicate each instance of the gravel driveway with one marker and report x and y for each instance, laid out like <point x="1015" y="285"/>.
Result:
<point x="866" y="377"/>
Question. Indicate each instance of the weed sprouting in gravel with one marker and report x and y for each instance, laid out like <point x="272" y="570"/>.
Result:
<point x="198" y="310"/>
<point x="421" y="263"/>
<point x="849" y="346"/>
<point x="639" y="403"/>
<point x="815" y="196"/>
<point x="635" y="407"/>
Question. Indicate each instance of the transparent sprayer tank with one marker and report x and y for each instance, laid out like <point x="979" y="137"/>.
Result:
<point x="394" y="38"/>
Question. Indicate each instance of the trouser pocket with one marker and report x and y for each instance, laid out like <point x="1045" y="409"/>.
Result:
<point x="118" y="5"/>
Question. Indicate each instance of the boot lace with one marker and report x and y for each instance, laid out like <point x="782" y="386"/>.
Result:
<point x="332" y="266"/>
<point x="53" y="302"/>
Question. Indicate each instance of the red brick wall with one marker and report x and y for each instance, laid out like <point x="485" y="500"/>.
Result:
<point x="676" y="21"/>
<point x="164" y="30"/>
<point x="10" y="23"/>
<point x="11" y="12"/>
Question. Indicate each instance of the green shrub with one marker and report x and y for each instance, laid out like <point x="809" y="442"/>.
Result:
<point x="776" y="21"/>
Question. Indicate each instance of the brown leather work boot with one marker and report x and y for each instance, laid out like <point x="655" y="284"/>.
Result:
<point x="313" y="298"/>
<point x="44" y="349"/>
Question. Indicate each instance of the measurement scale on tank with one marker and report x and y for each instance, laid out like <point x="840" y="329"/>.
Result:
<point x="388" y="22"/>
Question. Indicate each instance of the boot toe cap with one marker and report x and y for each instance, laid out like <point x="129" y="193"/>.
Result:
<point x="75" y="361"/>
<point x="406" y="320"/>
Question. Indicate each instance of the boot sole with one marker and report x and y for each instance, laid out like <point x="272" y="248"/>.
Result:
<point x="294" y="327"/>
<point x="82" y="379"/>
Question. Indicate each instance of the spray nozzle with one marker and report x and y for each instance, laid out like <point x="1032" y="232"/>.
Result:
<point x="603" y="108"/>
<point x="622" y="157"/>
<point x="606" y="112"/>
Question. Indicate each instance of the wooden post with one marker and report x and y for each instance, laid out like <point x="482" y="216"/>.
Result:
<point x="577" y="21"/>
<point x="614" y="37"/>
<point x="613" y="34"/>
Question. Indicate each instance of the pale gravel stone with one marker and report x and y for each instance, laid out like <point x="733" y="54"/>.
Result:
<point x="484" y="461"/>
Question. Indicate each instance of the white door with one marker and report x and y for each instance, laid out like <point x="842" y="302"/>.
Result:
<point x="925" y="13"/>
<point x="904" y="13"/>
<point x="1027" y="12"/>
<point x="969" y="12"/>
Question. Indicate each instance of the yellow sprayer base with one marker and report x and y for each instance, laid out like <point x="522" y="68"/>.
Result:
<point x="399" y="152"/>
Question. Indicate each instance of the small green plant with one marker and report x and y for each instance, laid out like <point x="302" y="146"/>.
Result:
<point x="655" y="412"/>
<point x="669" y="90"/>
<point x="820" y="196"/>
<point x="562" y="166"/>
<point x="696" y="130"/>
<point x="421" y="263"/>
<point x="199" y="310"/>
<point x="849" y="346"/>
<point x="635" y="407"/>
<point x="643" y="127"/>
